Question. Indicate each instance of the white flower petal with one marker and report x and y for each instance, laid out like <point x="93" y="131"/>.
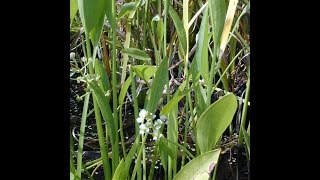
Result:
<point x="159" y="121"/>
<point x="163" y="117"/>
<point x="140" y="120"/>
<point x="154" y="116"/>
<point x="143" y="126"/>
<point x="141" y="131"/>
<point x="143" y="113"/>
<point x="158" y="127"/>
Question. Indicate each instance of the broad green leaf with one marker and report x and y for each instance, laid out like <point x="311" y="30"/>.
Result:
<point x="180" y="30"/>
<point x="110" y="12"/>
<point x="199" y="167"/>
<point x="95" y="33"/>
<point x="145" y="72"/>
<point x="214" y="121"/>
<point x="100" y="70"/>
<point x="246" y="139"/>
<point x="159" y="81"/>
<point x="91" y="12"/>
<point x="227" y="25"/>
<point x="137" y="54"/>
<point x="218" y="14"/>
<point x="106" y="112"/>
<point x="73" y="9"/>
<point x="202" y="48"/>
<point x="173" y="102"/>
<point x="124" y="90"/>
<point x="120" y="173"/>
<point x="126" y="9"/>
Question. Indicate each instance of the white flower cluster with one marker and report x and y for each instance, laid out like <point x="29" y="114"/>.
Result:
<point x="149" y="124"/>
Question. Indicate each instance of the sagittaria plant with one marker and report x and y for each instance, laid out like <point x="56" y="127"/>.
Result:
<point x="152" y="49"/>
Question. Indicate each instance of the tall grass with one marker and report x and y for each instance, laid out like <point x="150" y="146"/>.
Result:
<point x="169" y="61"/>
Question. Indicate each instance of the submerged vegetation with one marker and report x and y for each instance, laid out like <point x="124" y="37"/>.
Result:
<point x="163" y="89"/>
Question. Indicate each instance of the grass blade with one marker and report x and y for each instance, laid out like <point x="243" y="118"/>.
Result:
<point x="157" y="86"/>
<point x="180" y="31"/>
<point x="119" y="174"/>
<point x="227" y="26"/>
<point x="202" y="48"/>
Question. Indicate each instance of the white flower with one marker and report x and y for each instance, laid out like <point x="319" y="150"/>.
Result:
<point x="140" y="120"/>
<point x="157" y="124"/>
<point x="143" y="126"/>
<point x="156" y="135"/>
<point x="163" y="117"/>
<point x="143" y="113"/>
<point x="141" y="131"/>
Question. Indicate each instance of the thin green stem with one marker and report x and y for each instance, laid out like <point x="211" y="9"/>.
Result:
<point x="225" y="71"/>
<point x="244" y="111"/>
<point x="181" y="147"/>
<point x="139" y="157"/>
<point x="154" y="160"/>
<point x="146" y="15"/>
<point x="82" y="130"/>
<point x="115" y="146"/>
<point x="121" y="134"/>
<point x="144" y="165"/>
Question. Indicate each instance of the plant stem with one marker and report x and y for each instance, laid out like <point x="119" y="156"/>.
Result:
<point x="82" y="130"/>
<point x="139" y="157"/>
<point x="115" y="146"/>
<point x="244" y="111"/>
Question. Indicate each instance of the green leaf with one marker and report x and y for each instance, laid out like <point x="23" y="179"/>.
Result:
<point x="106" y="112"/>
<point x="227" y="25"/>
<point x="120" y="173"/>
<point x="95" y="33"/>
<point x="159" y="81"/>
<point x="126" y="9"/>
<point x="202" y="48"/>
<point x="145" y="72"/>
<point x="199" y="167"/>
<point x="200" y="100"/>
<point x="73" y="9"/>
<point x="163" y="146"/>
<point x="100" y="70"/>
<point x="91" y="12"/>
<point x="214" y="121"/>
<point x="180" y="29"/>
<point x="218" y="14"/>
<point x="110" y="12"/>
<point x="160" y="30"/>
<point x="173" y="102"/>
<point x="131" y="154"/>
<point x="124" y="90"/>
<point x="137" y="54"/>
